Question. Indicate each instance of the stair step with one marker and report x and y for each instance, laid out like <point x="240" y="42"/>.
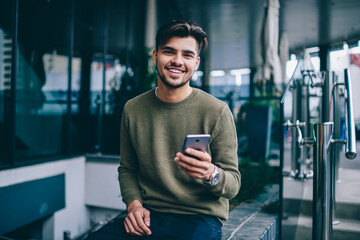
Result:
<point x="343" y="209"/>
<point x="301" y="228"/>
<point x="297" y="195"/>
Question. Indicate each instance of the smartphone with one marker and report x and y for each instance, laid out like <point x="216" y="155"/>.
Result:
<point x="196" y="141"/>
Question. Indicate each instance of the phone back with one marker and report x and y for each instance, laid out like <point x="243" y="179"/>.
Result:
<point x="196" y="141"/>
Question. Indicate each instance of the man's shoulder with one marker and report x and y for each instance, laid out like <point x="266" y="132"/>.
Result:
<point x="139" y="100"/>
<point x="209" y="100"/>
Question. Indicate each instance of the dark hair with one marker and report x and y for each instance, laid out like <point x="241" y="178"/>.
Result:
<point x="181" y="28"/>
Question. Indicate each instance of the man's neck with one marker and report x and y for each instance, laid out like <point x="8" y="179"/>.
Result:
<point x="173" y="95"/>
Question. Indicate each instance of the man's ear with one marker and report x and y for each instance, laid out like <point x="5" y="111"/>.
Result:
<point x="154" y="56"/>
<point x="197" y="63"/>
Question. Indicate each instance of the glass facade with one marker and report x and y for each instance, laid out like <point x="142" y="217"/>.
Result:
<point x="41" y="81"/>
<point x="6" y="55"/>
<point x="305" y="104"/>
<point x="65" y="74"/>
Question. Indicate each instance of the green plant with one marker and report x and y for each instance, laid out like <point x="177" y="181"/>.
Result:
<point x="254" y="178"/>
<point x="146" y="70"/>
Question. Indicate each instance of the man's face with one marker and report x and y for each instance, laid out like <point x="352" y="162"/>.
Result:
<point x="176" y="61"/>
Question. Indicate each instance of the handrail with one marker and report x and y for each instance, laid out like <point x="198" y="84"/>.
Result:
<point x="350" y="149"/>
<point x="287" y="88"/>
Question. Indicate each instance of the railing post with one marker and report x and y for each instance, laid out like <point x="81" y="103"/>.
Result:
<point x="98" y="102"/>
<point x="350" y="147"/>
<point x="297" y="112"/>
<point x="322" y="182"/>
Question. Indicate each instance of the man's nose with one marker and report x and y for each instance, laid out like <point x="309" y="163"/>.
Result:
<point x="177" y="60"/>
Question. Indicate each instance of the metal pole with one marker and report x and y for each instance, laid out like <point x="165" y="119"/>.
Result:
<point x="102" y="100"/>
<point x="281" y="189"/>
<point x="322" y="185"/>
<point x="99" y="122"/>
<point x="326" y="105"/>
<point x="10" y="93"/>
<point x="350" y="147"/>
<point x="295" y="150"/>
<point x="337" y="124"/>
<point x="71" y="22"/>
<point x="328" y="115"/>
<point x="335" y="157"/>
<point x="305" y="117"/>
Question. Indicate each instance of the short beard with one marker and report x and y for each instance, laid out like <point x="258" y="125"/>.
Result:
<point x="170" y="85"/>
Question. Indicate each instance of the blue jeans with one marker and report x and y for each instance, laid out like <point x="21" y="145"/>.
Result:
<point x="165" y="226"/>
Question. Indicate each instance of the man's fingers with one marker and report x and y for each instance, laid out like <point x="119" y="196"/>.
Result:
<point x="147" y="218"/>
<point x="197" y="168"/>
<point x="199" y="175"/>
<point x="203" y="156"/>
<point x="126" y="227"/>
<point x="191" y="164"/>
<point x="190" y="169"/>
<point x="138" y="219"/>
<point x="131" y="227"/>
<point x="189" y="161"/>
<point x="141" y="226"/>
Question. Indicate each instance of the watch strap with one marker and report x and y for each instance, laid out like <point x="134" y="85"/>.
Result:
<point x="214" y="177"/>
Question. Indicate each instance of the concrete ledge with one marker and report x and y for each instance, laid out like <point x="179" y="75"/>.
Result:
<point x="250" y="221"/>
<point x="102" y="185"/>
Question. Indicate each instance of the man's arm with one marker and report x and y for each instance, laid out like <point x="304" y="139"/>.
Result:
<point x="137" y="221"/>
<point x="223" y="149"/>
<point x="128" y="168"/>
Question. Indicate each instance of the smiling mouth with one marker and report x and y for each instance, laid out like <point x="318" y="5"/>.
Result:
<point x="175" y="70"/>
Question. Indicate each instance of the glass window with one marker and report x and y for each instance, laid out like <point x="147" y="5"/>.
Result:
<point x="88" y="40"/>
<point x="42" y="80"/>
<point x="230" y="86"/>
<point x="348" y="57"/>
<point x="5" y="78"/>
<point x="114" y="83"/>
<point x="113" y="79"/>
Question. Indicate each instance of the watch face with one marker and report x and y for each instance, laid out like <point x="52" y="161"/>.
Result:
<point x="215" y="180"/>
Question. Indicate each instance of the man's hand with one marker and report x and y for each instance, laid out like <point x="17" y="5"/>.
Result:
<point x="197" y="163"/>
<point x="137" y="222"/>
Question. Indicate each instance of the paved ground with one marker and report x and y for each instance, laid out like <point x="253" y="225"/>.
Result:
<point x="298" y="202"/>
<point x="251" y="220"/>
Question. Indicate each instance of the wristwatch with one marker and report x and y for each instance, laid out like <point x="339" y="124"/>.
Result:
<point x="214" y="179"/>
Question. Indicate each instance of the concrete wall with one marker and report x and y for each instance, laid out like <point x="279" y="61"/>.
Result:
<point x="75" y="216"/>
<point x="102" y="186"/>
<point x="355" y="82"/>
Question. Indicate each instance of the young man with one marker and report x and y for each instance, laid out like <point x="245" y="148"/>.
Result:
<point x="170" y="195"/>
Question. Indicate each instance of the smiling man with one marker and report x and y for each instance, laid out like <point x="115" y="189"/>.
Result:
<point x="169" y="194"/>
<point x="176" y="61"/>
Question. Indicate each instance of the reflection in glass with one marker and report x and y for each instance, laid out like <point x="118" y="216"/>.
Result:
<point x="55" y="87"/>
<point x="5" y="79"/>
<point x="301" y="102"/>
<point x="42" y="81"/>
<point x="114" y="83"/>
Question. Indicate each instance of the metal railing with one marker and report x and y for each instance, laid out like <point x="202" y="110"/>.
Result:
<point x="350" y="150"/>
<point x="325" y="138"/>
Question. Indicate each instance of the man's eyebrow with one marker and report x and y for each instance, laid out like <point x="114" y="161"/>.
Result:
<point x="168" y="48"/>
<point x="189" y="52"/>
<point x="173" y="49"/>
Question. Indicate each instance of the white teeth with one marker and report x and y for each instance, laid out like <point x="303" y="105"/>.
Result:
<point x="174" y="71"/>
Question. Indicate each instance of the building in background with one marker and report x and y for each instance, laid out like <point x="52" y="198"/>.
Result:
<point x="68" y="67"/>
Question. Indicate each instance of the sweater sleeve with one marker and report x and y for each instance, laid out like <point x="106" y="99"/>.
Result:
<point x="127" y="170"/>
<point x="223" y="149"/>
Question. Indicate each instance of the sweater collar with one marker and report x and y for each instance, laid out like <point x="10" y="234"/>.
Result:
<point x="184" y="102"/>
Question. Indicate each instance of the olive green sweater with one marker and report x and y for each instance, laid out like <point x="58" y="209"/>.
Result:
<point x="152" y="132"/>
